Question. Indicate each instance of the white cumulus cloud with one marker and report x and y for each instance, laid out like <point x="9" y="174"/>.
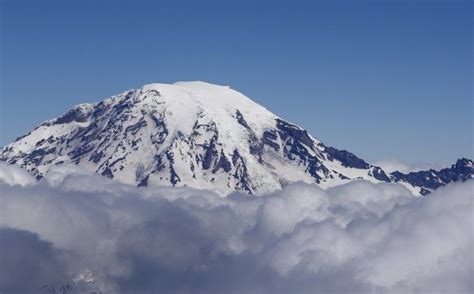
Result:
<point x="82" y="232"/>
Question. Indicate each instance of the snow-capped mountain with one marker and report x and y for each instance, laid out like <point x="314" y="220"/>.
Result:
<point x="199" y="135"/>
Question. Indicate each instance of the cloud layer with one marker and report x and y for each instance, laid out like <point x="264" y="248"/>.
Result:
<point x="81" y="232"/>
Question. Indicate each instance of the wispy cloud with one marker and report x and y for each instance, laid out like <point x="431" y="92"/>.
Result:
<point x="391" y="165"/>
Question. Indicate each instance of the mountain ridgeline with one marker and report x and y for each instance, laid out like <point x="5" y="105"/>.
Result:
<point x="203" y="136"/>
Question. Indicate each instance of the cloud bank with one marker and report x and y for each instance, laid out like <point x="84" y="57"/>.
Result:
<point x="78" y="232"/>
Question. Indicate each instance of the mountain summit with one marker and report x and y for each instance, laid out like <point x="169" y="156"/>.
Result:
<point x="199" y="135"/>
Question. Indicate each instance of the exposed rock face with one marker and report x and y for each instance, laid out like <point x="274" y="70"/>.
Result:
<point x="199" y="135"/>
<point x="430" y="180"/>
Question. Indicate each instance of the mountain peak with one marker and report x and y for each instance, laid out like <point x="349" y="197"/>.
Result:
<point x="199" y="84"/>
<point x="464" y="162"/>
<point x="193" y="134"/>
<point x="210" y="96"/>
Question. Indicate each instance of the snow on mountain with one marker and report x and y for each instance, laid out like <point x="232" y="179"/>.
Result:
<point x="192" y="134"/>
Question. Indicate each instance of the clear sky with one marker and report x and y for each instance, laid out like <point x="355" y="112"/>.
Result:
<point x="383" y="79"/>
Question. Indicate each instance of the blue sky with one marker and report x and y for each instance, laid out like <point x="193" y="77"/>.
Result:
<point x="383" y="79"/>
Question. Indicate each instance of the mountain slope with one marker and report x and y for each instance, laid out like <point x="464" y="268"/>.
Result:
<point x="189" y="134"/>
